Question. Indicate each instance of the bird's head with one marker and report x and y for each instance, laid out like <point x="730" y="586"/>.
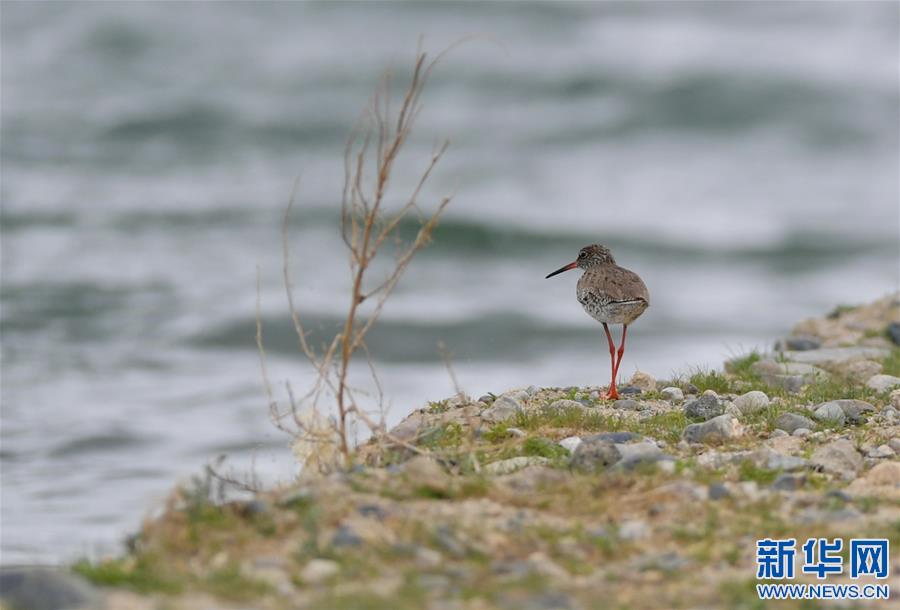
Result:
<point x="589" y="256"/>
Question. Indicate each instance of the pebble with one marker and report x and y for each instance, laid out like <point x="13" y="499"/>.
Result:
<point x="319" y="570"/>
<point x="45" y="589"/>
<point x="632" y="454"/>
<point x="704" y="408"/>
<point x="801" y="432"/>
<point x="716" y="429"/>
<point x="752" y="402"/>
<point x="895" y="399"/>
<point x="634" y="529"/>
<point x="345" y="536"/>
<point x="629" y="389"/>
<point x="672" y="394"/>
<point x="894" y="444"/>
<point x="773" y="460"/>
<point x="644" y="381"/>
<point x="424" y="473"/>
<point x="838" y="457"/>
<point x="616" y="437"/>
<point x="486" y="399"/>
<point x="594" y="454"/>
<point x="893" y="331"/>
<point x="570" y="443"/>
<point x="830" y="413"/>
<point x="802" y="343"/>
<point x="717" y="491"/>
<point x="504" y="408"/>
<point x="792" y="421"/>
<point x="861" y="370"/>
<point x="626" y="404"/>
<point x="566" y="405"/>
<point x="516" y="432"/>
<point x="691" y="389"/>
<point x="882" y="451"/>
<point x="882" y="383"/>
<point x="514" y="464"/>
<point x="777" y="433"/>
<point x="789" y="482"/>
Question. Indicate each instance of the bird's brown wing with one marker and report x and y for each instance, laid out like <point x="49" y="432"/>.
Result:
<point x="612" y="284"/>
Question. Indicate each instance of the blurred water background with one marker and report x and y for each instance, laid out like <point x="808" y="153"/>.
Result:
<point x="742" y="157"/>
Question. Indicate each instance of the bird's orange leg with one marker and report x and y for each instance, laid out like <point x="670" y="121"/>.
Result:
<point x="621" y="351"/>
<point x="611" y="394"/>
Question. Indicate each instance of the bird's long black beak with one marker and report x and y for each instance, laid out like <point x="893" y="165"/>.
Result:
<point x="561" y="269"/>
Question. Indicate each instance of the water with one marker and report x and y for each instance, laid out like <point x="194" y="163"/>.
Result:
<point x="743" y="158"/>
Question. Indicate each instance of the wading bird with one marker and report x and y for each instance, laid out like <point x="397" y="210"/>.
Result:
<point x="611" y="295"/>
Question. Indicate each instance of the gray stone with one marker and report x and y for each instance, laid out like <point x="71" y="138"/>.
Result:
<point x="716" y="429"/>
<point x="894" y="444"/>
<point x="778" y="433"/>
<point x="615" y="437"/>
<point x="516" y="432"/>
<point x="629" y="389"/>
<point x="570" y="443"/>
<point x="319" y="570"/>
<point x="566" y="405"/>
<point x="789" y="482"/>
<point x="802" y="432"/>
<point x="513" y="464"/>
<point x="752" y="402"/>
<point x="717" y="491"/>
<point x="704" y="408"/>
<point x="882" y="451"/>
<point x="31" y="588"/>
<point x="504" y="408"/>
<point x="486" y="399"/>
<point x="830" y="413"/>
<point x="345" y="536"/>
<point x="626" y="404"/>
<point x="802" y="343"/>
<point x="672" y="394"/>
<point x="791" y="421"/>
<point x="634" y="529"/>
<point x="410" y="428"/>
<point x="594" y="454"/>
<point x="893" y="331"/>
<point x="644" y="381"/>
<point x="838" y="457"/>
<point x="767" y="457"/>
<point x="635" y="454"/>
<point x="836" y="355"/>
<point x="425" y="473"/>
<point x="861" y="370"/>
<point x="447" y="540"/>
<point x="883" y="383"/>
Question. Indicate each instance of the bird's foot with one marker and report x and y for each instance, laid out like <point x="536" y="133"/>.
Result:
<point x="612" y="394"/>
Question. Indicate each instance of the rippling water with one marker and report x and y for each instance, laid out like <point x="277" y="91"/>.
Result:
<point x="743" y="158"/>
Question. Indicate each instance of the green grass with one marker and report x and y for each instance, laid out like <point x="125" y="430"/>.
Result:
<point x="229" y="583"/>
<point x="749" y="471"/>
<point x="541" y="447"/>
<point x="711" y="380"/>
<point x="144" y="575"/>
<point x="891" y="364"/>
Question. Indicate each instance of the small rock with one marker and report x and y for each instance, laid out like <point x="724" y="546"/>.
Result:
<point x="883" y="481"/>
<point x="882" y="383"/>
<point x="882" y="451"/>
<point x="570" y="443"/>
<point x="629" y="389"/>
<point x="835" y="356"/>
<point x="345" y="536"/>
<point x="704" y="408"/>
<point x="789" y="482"/>
<point x="752" y="402"/>
<point x="504" y="408"/>
<point x="861" y="370"/>
<point x="632" y="454"/>
<point x="672" y="394"/>
<point x="777" y="433"/>
<point x="615" y="437"/>
<point x="690" y="388"/>
<point x="717" y="491"/>
<point x="791" y="421"/>
<point x="45" y="589"/>
<point x="626" y="404"/>
<point x="424" y="473"/>
<point x="893" y="331"/>
<point x="886" y="473"/>
<point x="566" y="405"/>
<point x="733" y="410"/>
<point x="773" y="460"/>
<point x="802" y="432"/>
<point x="838" y="457"/>
<point x="716" y="429"/>
<point x="895" y="399"/>
<point x="594" y="454"/>
<point x="486" y="399"/>
<point x="830" y="413"/>
<point x="894" y="444"/>
<point x="410" y="428"/>
<point x="854" y="408"/>
<point x="634" y="529"/>
<point x="319" y="570"/>
<point x="643" y="381"/>
<point x="802" y="343"/>
<point x="514" y="464"/>
<point x="516" y="432"/>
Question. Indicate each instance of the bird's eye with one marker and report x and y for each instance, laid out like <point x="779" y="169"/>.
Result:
<point x="581" y="255"/>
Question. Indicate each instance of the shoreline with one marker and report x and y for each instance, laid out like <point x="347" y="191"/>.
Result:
<point x="552" y="497"/>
